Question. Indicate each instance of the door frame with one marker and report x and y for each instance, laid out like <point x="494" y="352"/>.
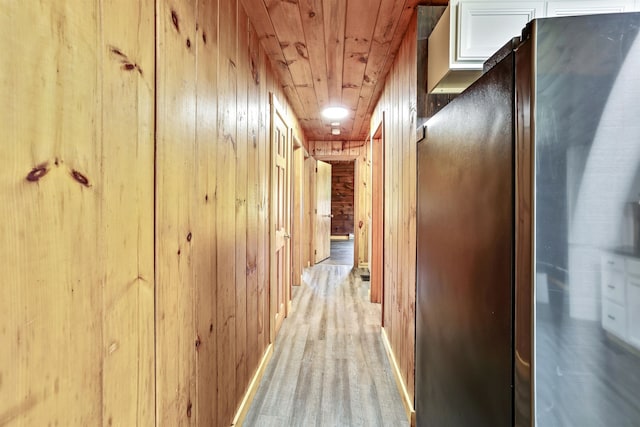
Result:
<point x="299" y="153"/>
<point x="376" y="261"/>
<point x="277" y="111"/>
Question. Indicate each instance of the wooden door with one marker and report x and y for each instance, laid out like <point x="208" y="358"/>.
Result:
<point x="376" y="261"/>
<point x="280" y="215"/>
<point x="323" y="211"/>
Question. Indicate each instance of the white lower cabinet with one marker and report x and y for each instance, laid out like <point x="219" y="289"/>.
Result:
<point x="633" y="304"/>
<point x="620" y="284"/>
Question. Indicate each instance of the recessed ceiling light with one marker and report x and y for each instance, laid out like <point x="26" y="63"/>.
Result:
<point x="335" y="131"/>
<point x="335" y="113"/>
<point x="335" y="124"/>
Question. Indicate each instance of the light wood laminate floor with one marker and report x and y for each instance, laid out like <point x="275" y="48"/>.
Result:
<point x="329" y="366"/>
<point x="341" y="253"/>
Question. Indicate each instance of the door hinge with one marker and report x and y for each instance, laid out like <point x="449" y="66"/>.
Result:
<point x="315" y="252"/>
<point x="316" y="170"/>
<point x="315" y="210"/>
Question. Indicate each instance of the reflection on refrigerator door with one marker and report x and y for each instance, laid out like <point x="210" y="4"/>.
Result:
<point x="587" y="172"/>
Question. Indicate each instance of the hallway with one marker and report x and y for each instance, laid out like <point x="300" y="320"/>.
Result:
<point x="329" y="366"/>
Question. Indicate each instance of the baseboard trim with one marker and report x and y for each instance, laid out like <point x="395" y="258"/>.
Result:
<point x="402" y="387"/>
<point x="340" y="237"/>
<point x="238" y="420"/>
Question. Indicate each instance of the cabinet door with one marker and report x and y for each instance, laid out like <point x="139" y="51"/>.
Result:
<point x="633" y="310"/>
<point x="484" y="27"/>
<point x="614" y="319"/>
<point x="613" y="285"/>
<point x="573" y="7"/>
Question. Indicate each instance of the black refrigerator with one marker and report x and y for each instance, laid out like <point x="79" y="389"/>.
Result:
<point x="528" y="273"/>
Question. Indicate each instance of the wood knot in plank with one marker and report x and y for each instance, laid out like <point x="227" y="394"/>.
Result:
<point x="251" y="268"/>
<point x="36" y="173"/>
<point x="189" y="406"/>
<point x="174" y="19"/>
<point x="284" y="64"/>
<point x="127" y="64"/>
<point x="302" y="50"/>
<point x="79" y="177"/>
<point x="254" y="72"/>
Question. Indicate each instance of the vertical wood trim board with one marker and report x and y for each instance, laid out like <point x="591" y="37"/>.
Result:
<point x="204" y="228"/>
<point x="398" y="104"/>
<point x="175" y="251"/>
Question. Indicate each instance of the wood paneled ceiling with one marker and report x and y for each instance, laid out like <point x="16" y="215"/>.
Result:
<point x="332" y="52"/>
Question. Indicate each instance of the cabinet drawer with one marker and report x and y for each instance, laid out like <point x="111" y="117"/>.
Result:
<point x="614" y="319"/>
<point x="611" y="261"/>
<point x="633" y="267"/>
<point x="613" y="285"/>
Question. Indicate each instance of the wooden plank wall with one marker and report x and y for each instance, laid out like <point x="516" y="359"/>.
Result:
<point x="342" y="198"/>
<point x="76" y="294"/>
<point x="398" y="101"/>
<point x="80" y="169"/>
<point x="362" y="207"/>
<point x="212" y="209"/>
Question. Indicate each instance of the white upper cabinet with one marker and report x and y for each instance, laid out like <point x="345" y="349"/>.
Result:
<point x="484" y="27"/>
<point x="470" y="31"/>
